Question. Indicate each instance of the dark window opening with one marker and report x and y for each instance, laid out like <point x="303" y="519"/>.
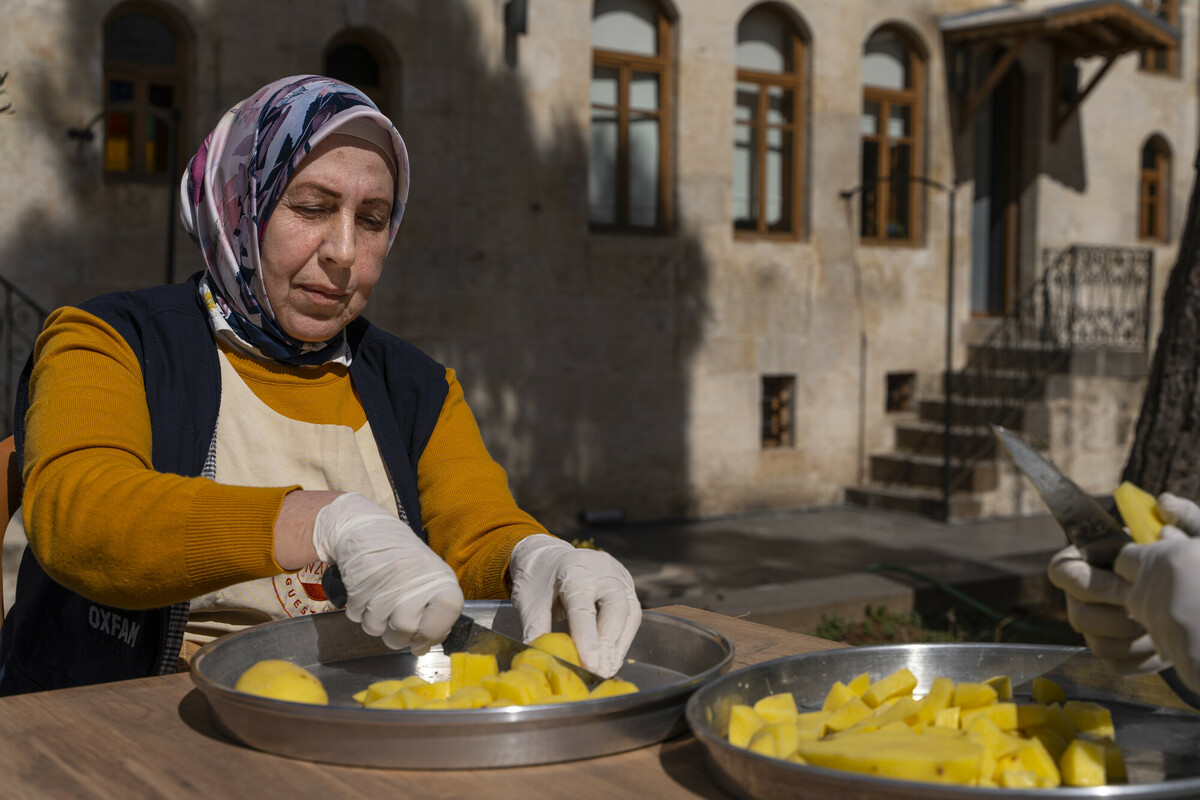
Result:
<point x="901" y="388"/>
<point x="778" y="410"/>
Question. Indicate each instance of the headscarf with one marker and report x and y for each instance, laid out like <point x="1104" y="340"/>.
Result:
<point x="231" y="188"/>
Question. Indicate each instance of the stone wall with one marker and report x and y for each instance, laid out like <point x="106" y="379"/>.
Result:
<point x="607" y="372"/>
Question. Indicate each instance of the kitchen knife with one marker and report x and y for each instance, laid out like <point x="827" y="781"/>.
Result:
<point x="467" y="635"/>
<point x="1087" y="525"/>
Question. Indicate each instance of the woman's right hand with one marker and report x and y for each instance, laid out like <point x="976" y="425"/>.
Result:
<point x="397" y="588"/>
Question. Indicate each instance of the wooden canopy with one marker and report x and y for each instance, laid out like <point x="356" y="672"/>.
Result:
<point x="1079" y="29"/>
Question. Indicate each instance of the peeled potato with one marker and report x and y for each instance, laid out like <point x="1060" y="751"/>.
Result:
<point x="1139" y="510"/>
<point x="559" y="645"/>
<point x="282" y="680"/>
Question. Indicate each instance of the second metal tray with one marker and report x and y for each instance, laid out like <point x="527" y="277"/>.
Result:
<point x="669" y="659"/>
<point x="1159" y="736"/>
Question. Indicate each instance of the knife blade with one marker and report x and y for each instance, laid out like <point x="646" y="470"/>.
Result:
<point x="1085" y="522"/>
<point x="1087" y="525"/>
<point x="466" y="636"/>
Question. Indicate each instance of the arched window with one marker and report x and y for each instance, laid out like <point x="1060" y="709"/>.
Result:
<point x="893" y="87"/>
<point x="360" y="59"/>
<point x="1153" y="196"/>
<point x="1163" y="60"/>
<point x="144" y="91"/>
<point x="628" y="175"/>
<point x="768" y="124"/>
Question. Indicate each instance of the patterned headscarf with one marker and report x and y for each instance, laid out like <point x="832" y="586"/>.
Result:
<point x="230" y="190"/>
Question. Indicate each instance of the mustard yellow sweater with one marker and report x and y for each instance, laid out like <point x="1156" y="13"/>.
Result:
<point x="104" y="524"/>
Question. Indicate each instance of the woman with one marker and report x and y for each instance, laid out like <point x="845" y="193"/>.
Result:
<point x="196" y="455"/>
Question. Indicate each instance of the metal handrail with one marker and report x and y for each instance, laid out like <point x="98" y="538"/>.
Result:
<point x="1088" y="297"/>
<point x="19" y="329"/>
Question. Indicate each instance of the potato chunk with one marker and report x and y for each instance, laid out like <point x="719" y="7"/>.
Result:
<point x="1082" y="764"/>
<point x="907" y="756"/>
<point x="1139" y="510"/>
<point x="778" y="708"/>
<point x="900" y="682"/>
<point x="1088" y="717"/>
<point x="744" y="722"/>
<point x="559" y="645"/>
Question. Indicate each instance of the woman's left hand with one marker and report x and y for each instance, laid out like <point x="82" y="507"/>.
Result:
<point x="551" y="579"/>
<point x="1164" y="596"/>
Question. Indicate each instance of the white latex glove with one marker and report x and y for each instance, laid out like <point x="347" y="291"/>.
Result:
<point x="396" y="587"/>
<point x="1164" y="596"/>
<point x="1179" y="513"/>
<point x="552" y="580"/>
<point x="1096" y="608"/>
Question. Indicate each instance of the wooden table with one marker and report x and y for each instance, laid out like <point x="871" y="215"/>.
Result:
<point x="155" y="737"/>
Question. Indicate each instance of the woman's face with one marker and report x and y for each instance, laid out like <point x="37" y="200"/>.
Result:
<point x="323" y="249"/>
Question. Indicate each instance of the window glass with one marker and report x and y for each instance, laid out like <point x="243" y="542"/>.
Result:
<point x="140" y="38"/>
<point x="870" y="204"/>
<point x="886" y="62"/>
<point x="745" y="190"/>
<point x="745" y="102"/>
<point x="602" y="168"/>
<point x="869" y="125"/>
<point x="629" y="26"/>
<point x="899" y="121"/>
<point x="643" y="168"/>
<point x="779" y="151"/>
<point x="764" y="44"/>
<point x="780" y="103"/>
<point x="643" y="91"/>
<point x="605" y="86"/>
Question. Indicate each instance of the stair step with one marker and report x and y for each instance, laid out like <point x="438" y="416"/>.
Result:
<point x="924" y="502"/>
<point x="972" y="412"/>
<point x="1032" y="356"/>
<point x="970" y="383"/>
<point x="927" y="471"/>
<point x="928" y="438"/>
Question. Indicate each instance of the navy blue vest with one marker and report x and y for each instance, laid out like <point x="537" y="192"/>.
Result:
<point x="52" y="637"/>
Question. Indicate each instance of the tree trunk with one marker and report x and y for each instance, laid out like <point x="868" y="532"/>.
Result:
<point x="1166" y="448"/>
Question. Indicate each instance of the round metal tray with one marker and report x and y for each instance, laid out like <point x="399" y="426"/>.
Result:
<point x="1159" y="736"/>
<point x="670" y="658"/>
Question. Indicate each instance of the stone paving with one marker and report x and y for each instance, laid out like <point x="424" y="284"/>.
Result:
<point x="789" y="569"/>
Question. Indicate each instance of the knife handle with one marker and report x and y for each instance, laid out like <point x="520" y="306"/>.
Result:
<point x="335" y="590"/>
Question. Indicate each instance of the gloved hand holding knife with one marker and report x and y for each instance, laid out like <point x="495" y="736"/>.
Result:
<point x="1133" y="602"/>
<point x="400" y="590"/>
<point x="1144" y="615"/>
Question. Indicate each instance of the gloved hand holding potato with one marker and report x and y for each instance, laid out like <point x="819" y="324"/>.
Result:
<point x="552" y="580"/>
<point x="1144" y="615"/>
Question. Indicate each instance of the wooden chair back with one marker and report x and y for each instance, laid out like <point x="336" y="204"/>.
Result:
<point x="10" y="499"/>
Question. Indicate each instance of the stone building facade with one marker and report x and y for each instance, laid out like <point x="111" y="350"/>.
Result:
<point x="648" y="234"/>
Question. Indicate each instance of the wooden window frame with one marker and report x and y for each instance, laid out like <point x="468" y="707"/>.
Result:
<point x="913" y="98"/>
<point x="793" y="82"/>
<point x="626" y="64"/>
<point x="1159" y="176"/>
<point x="1147" y="59"/>
<point x="142" y="76"/>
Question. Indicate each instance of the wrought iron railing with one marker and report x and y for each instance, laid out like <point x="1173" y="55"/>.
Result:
<point x="1088" y="297"/>
<point x="19" y="328"/>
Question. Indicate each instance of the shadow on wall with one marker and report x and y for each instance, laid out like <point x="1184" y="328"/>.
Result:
<point x="573" y="348"/>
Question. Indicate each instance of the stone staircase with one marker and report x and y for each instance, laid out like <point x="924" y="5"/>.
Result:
<point x="1050" y="396"/>
<point x="1066" y="368"/>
